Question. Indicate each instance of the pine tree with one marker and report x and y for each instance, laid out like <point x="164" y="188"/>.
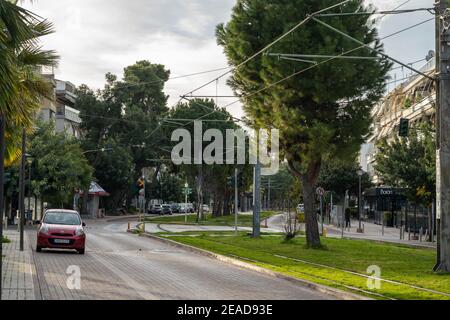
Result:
<point x="321" y="113"/>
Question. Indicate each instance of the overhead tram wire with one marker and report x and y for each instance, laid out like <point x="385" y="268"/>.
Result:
<point x="388" y="12"/>
<point x="171" y="78"/>
<point x="323" y="62"/>
<point x="301" y="23"/>
<point x="219" y="69"/>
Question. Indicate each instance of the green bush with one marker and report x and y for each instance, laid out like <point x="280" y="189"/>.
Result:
<point x="5" y="240"/>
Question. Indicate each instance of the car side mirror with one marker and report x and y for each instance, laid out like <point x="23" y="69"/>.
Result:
<point x="83" y="224"/>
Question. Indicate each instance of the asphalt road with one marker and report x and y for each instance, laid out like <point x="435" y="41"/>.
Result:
<point x="119" y="265"/>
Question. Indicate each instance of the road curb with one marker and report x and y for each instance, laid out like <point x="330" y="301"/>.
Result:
<point x="343" y="295"/>
<point x="121" y="218"/>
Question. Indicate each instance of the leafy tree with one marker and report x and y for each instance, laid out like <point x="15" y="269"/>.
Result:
<point x="59" y="166"/>
<point x="209" y="177"/>
<point x="339" y="176"/>
<point x="125" y="119"/>
<point x="323" y="113"/>
<point x="410" y="163"/>
<point x="21" y="87"/>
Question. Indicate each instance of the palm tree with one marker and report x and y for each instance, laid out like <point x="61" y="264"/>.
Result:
<point x="21" y="85"/>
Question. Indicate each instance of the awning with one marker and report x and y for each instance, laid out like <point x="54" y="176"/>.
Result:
<point x="96" y="190"/>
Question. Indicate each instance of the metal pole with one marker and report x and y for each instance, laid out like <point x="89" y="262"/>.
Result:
<point x="256" y="207"/>
<point x="269" y="206"/>
<point x="144" y="206"/>
<point x="2" y="169"/>
<point x="185" y="204"/>
<point x="236" y="200"/>
<point x="443" y="137"/>
<point x="29" y="188"/>
<point x="22" y="189"/>
<point x="321" y="212"/>
<point x="359" y="205"/>
<point x="331" y="206"/>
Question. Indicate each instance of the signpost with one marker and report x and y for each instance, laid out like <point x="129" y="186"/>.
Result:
<point x="320" y="192"/>
<point x="186" y="191"/>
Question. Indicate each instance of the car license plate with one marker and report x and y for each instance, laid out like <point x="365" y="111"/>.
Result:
<point x="62" y="241"/>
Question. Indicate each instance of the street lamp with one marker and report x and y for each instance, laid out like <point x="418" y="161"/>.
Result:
<point x="360" y="173"/>
<point x="186" y="190"/>
<point x="29" y="159"/>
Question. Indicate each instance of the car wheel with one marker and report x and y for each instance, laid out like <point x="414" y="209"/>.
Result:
<point x="81" y="251"/>
<point x="38" y="249"/>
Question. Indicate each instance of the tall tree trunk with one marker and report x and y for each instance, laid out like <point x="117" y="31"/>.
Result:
<point x="308" y="180"/>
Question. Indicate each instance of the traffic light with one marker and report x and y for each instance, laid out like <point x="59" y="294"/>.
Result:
<point x="6" y="178"/>
<point x="141" y="183"/>
<point x="404" y="127"/>
<point x="230" y="181"/>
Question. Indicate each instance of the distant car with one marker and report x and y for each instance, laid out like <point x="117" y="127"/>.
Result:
<point x="190" y="208"/>
<point x="155" y="209"/>
<point x="301" y="208"/>
<point x="183" y="208"/>
<point x="61" y="229"/>
<point x="205" y="208"/>
<point x="175" y="207"/>
<point x="166" y="209"/>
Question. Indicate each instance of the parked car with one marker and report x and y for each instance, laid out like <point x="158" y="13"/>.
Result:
<point x="61" y="229"/>
<point x="190" y="208"/>
<point x="183" y="208"/>
<point x="154" y="209"/>
<point x="175" y="207"/>
<point x="301" y="208"/>
<point x="166" y="209"/>
<point x="205" y="208"/>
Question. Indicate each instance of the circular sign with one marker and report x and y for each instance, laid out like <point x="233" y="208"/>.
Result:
<point x="320" y="191"/>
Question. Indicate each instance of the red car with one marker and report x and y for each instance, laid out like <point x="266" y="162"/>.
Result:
<point x="61" y="229"/>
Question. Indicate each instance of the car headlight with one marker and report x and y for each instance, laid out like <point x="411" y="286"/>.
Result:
<point x="79" y="232"/>
<point x="44" y="229"/>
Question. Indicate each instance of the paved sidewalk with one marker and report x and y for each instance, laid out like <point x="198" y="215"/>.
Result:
<point x="371" y="232"/>
<point x="17" y="275"/>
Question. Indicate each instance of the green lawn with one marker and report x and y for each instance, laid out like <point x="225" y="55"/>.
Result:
<point x="243" y="220"/>
<point x="5" y="240"/>
<point x="407" y="265"/>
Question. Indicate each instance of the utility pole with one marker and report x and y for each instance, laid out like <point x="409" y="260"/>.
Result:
<point x="2" y="175"/>
<point x="257" y="200"/>
<point x="443" y="135"/>
<point x="236" y="203"/>
<point x="22" y="188"/>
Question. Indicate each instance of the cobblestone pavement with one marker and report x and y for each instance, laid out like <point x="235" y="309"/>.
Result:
<point x="17" y="275"/>
<point x="119" y="265"/>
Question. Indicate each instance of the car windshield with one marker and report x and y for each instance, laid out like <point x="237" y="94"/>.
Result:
<point x="63" y="218"/>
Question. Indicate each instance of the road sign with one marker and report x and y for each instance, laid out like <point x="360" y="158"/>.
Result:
<point x="187" y="191"/>
<point x="320" y="191"/>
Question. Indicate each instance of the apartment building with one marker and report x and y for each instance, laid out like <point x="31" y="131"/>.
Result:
<point x="60" y="106"/>
<point x="413" y="99"/>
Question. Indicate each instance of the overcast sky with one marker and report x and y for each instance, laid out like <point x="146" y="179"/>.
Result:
<point x="94" y="37"/>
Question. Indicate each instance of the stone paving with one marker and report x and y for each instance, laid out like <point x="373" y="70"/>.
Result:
<point x="17" y="275"/>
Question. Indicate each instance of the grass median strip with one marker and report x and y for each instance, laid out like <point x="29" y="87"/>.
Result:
<point x="244" y="220"/>
<point x="405" y="271"/>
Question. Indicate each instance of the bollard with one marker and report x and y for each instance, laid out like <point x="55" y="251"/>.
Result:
<point x="129" y="227"/>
